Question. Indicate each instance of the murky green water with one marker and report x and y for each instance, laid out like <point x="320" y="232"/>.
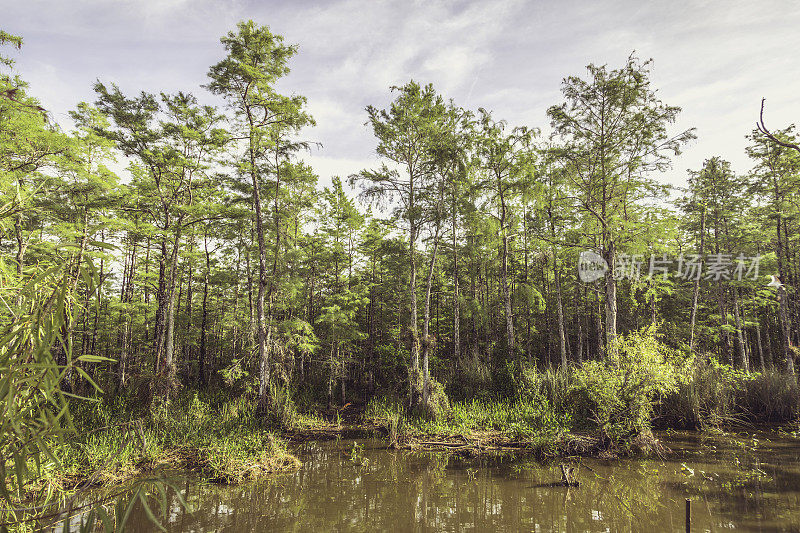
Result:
<point x="745" y="483"/>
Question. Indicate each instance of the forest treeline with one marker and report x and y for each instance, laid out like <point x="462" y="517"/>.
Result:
<point x="222" y="263"/>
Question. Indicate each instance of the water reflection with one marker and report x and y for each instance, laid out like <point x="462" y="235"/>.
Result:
<point x="738" y="483"/>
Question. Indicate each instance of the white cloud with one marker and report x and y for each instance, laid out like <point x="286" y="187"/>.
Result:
<point x="715" y="60"/>
<point x="328" y="167"/>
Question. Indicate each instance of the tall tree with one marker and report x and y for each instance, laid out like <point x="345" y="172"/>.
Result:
<point x="246" y="78"/>
<point x="405" y="133"/>
<point x="776" y="179"/>
<point x="172" y="139"/>
<point x="505" y="158"/>
<point x="615" y="131"/>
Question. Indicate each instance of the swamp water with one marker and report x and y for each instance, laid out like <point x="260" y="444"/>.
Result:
<point x="746" y="482"/>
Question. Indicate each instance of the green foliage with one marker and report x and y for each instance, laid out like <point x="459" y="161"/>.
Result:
<point x="617" y="394"/>
<point x="34" y="413"/>
<point x="527" y="294"/>
<point x="36" y="425"/>
<point x="236" y="376"/>
<point x="217" y="436"/>
<point x="221" y="252"/>
<point x="438" y="406"/>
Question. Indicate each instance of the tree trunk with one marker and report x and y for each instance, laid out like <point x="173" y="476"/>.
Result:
<point x="145" y="287"/>
<point x="473" y="326"/>
<point x="426" y="340"/>
<point x="202" y="356"/>
<point x="331" y="374"/>
<point x="760" y="347"/>
<point x="509" y="313"/>
<point x="263" y="355"/>
<point x="456" y="307"/>
<point x="161" y="305"/>
<point x="562" y="337"/>
<point x="726" y="347"/>
<point x="169" y="341"/>
<point x="526" y="277"/>
<point x="788" y="353"/>
<point x="188" y="343"/>
<point x="251" y="308"/>
<point x="273" y="282"/>
<point x="768" y="341"/>
<point x="415" y="394"/>
<point x="611" y="312"/>
<point x="744" y="360"/>
<point x="598" y="324"/>
<point x="507" y="307"/>
<point x="696" y="292"/>
<point x="610" y="299"/>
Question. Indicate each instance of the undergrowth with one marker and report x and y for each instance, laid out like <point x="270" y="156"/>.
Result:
<point x="639" y="385"/>
<point x="218" y="437"/>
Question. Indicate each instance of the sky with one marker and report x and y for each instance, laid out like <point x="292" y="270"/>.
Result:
<point x="714" y="59"/>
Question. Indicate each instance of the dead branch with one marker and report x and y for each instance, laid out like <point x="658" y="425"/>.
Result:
<point x="763" y="129"/>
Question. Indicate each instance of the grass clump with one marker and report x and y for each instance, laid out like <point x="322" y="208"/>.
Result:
<point x="711" y="395"/>
<point x="705" y="396"/>
<point x="769" y="397"/>
<point x="390" y="414"/>
<point x="283" y="412"/>
<point x="220" y="438"/>
<point x="524" y="420"/>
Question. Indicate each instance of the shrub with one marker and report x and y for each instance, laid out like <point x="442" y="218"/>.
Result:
<point x="617" y="394"/>
<point x="438" y="406"/>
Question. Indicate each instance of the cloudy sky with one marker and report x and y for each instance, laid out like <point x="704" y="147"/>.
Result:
<point x="715" y="59"/>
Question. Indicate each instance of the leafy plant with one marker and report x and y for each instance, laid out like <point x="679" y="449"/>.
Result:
<point x="617" y="394"/>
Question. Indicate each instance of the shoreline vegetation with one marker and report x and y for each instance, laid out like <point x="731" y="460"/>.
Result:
<point x="573" y="411"/>
<point x="607" y="410"/>
<point x="213" y="303"/>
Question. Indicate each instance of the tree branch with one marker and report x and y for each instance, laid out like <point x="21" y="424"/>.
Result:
<point x="763" y="129"/>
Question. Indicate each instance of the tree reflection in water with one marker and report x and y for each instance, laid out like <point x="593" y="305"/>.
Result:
<point x="734" y="483"/>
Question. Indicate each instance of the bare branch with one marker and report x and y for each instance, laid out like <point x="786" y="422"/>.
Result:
<point x="763" y="129"/>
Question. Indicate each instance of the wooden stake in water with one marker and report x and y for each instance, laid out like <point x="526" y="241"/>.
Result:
<point x="688" y="515"/>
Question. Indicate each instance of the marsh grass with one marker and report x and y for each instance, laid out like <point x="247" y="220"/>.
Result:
<point x="391" y="414"/>
<point x="769" y="397"/>
<point x="705" y="397"/>
<point x="217" y="437"/>
<point x="711" y="395"/>
<point x="523" y="420"/>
